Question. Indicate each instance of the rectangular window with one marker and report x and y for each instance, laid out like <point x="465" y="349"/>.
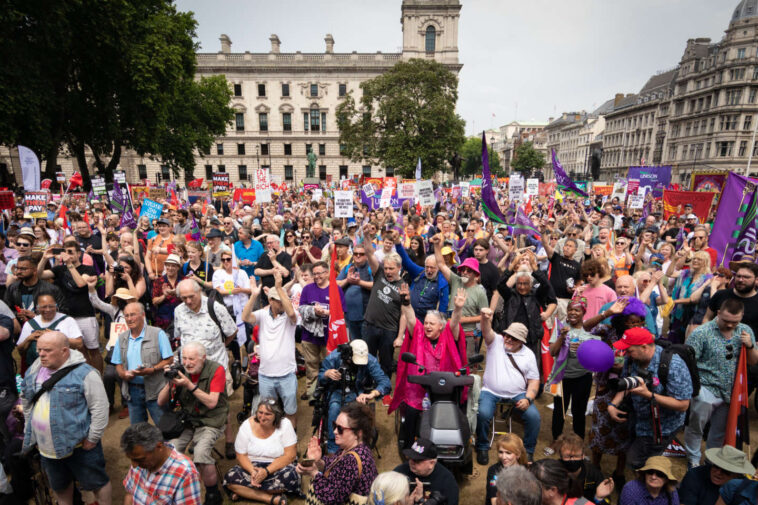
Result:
<point x="322" y="172"/>
<point x="343" y="172"/>
<point x="342" y="149"/>
<point x="239" y="120"/>
<point x="342" y="89"/>
<point x="322" y="149"/>
<point x="741" y="53"/>
<point x="142" y="169"/>
<point x="308" y="148"/>
<point x="753" y="92"/>
<point x="314" y="89"/>
<point x="390" y="172"/>
<point x="314" y="120"/>
<point x="305" y="120"/>
<point x="724" y="149"/>
<point x="261" y="90"/>
<point x="323" y="121"/>
<point x="288" y="173"/>
<point x="743" y="148"/>
<point x="220" y="149"/>
<point x="242" y="172"/>
<point x="264" y="149"/>
<point x="367" y="170"/>
<point x="747" y="123"/>
<point x="287" y="121"/>
<point x="285" y="90"/>
<point x="222" y="168"/>
<point x="238" y="90"/>
<point x="733" y="96"/>
<point x="241" y="149"/>
<point x="288" y="149"/>
<point x="263" y="121"/>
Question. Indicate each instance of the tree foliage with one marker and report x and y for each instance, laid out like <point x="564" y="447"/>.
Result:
<point x="404" y="114"/>
<point x="527" y="158"/>
<point x="99" y="77"/>
<point x="471" y="153"/>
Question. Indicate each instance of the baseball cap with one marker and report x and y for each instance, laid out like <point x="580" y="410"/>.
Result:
<point x="446" y="250"/>
<point x="165" y="221"/>
<point x="634" y="336"/>
<point x="360" y="352"/>
<point x="422" y="449"/>
<point x="273" y="294"/>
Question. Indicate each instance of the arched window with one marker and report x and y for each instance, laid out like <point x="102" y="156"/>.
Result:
<point x="431" y="34"/>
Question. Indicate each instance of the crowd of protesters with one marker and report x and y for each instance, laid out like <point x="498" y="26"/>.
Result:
<point x="171" y="312"/>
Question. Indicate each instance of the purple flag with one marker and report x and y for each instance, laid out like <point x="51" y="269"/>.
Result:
<point x="731" y="208"/>
<point x="519" y="223"/>
<point x="489" y="203"/>
<point x="744" y="249"/>
<point x="559" y="366"/>
<point x="563" y="180"/>
<point x="195" y="229"/>
<point x="120" y="205"/>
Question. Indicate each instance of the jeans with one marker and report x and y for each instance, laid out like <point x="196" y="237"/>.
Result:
<point x="284" y="387"/>
<point x="379" y="342"/>
<point x="335" y="404"/>
<point x="138" y="406"/>
<point x="487" y="404"/>
<point x="704" y="407"/>
<point x="354" y="329"/>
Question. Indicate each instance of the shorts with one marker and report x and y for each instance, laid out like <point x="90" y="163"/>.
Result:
<point x="90" y="332"/>
<point x="205" y="439"/>
<point x="85" y="467"/>
<point x="284" y="387"/>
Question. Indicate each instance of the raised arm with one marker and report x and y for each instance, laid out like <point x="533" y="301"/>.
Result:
<point x="247" y="311"/>
<point x="286" y="303"/>
<point x="455" y="322"/>
<point x="487" y="332"/>
<point x="406" y="309"/>
<point x="437" y="242"/>
<point x="372" y="261"/>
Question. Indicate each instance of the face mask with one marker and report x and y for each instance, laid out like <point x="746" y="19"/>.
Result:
<point x="571" y="465"/>
<point x="465" y="279"/>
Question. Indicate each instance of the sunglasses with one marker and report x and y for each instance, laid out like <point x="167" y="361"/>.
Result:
<point x="729" y="351"/>
<point x="620" y="242"/>
<point x="340" y="429"/>
<point x="23" y="244"/>
<point x="359" y="254"/>
<point x="658" y="474"/>
<point x="226" y="259"/>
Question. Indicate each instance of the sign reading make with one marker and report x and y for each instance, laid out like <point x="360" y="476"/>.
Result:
<point x="221" y="184"/>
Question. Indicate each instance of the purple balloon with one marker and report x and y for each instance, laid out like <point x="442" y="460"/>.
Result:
<point x="595" y="355"/>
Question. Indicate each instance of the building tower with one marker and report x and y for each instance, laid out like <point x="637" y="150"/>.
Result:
<point x="430" y="29"/>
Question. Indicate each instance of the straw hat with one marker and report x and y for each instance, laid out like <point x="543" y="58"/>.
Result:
<point x="660" y="463"/>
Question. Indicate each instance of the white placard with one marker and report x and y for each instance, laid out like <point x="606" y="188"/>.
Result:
<point x="368" y="189"/>
<point x="119" y="176"/>
<point x="425" y="193"/>
<point x="263" y="195"/>
<point x="386" y="198"/>
<point x="343" y="204"/>
<point x="619" y="191"/>
<point x="533" y="187"/>
<point x="407" y="190"/>
<point x="516" y="188"/>
<point x="318" y="194"/>
<point x="636" y="201"/>
<point x="465" y="188"/>
<point x="262" y="179"/>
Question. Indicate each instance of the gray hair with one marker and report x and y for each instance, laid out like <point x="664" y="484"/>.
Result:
<point x="144" y="435"/>
<point x="517" y="486"/>
<point x="439" y="315"/>
<point x="138" y="304"/>
<point x="200" y="348"/>
<point x="388" y="487"/>
<point x="394" y="258"/>
<point x="189" y="283"/>
<point x="523" y="273"/>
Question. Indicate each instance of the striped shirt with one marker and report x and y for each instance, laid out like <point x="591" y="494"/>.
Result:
<point x="176" y="482"/>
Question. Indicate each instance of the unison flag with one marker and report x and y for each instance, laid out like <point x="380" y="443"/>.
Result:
<point x="337" y="329"/>
<point x="731" y="207"/>
<point x="747" y="234"/>
<point x="519" y="223"/>
<point x="564" y="182"/>
<point x="120" y="205"/>
<point x="489" y="203"/>
<point x="195" y="229"/>
<point x="737" y="432"/>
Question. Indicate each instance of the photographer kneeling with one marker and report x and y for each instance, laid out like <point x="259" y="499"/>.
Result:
<point x="199" y="387"/>
<point x="657" y="409"/>
<point x="346" y="375"/>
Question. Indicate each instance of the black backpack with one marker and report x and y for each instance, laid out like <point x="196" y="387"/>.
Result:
<point x="684" y="351"/>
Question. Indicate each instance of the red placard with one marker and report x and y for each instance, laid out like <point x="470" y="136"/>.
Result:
<point x="6" y="200"/>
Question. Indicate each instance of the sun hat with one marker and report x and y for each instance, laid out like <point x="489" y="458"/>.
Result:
<point x="730" y="459"/>
<point x="470" y="263"/>
<point x="660" y="463"/>
<point x="517" y="331"/>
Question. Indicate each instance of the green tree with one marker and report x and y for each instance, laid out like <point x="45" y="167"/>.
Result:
<point x="471" y="153"/>
<point x="112" y="76"/>
<point x="527" y="158"/>
<point x="404" y="114"/>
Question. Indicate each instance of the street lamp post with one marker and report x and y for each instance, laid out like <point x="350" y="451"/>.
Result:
<point x="752" y="147"/>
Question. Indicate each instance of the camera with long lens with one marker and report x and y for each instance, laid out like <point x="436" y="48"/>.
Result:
<point x="627" y="383"/>
<point x="173" y="371"/>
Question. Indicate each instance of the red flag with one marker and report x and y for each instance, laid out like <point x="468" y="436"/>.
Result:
<point x="195" y="184"/>
<point x="737" y="432"/>
<point x="174" y="200"/>
<point x="45" y="184"/>
<point x="62" y="215"/>
<point x="337" y="329"/>
<point x="86" y="217"/>
<point x="75" y="181"/>
<point x="547" y="358"/>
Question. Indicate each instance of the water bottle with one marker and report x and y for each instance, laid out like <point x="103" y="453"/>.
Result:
<point x="19" y="380"/>
<point x="426" y="403"/>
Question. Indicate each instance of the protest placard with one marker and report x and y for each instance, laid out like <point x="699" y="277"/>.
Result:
<point x="631" y="186"/>
<point x="368" y="189"/>
<point x="386" y="199"/>
<point x="262" y="179"/>
<point x="533" y="187"/>
<point x="407" y="190"/>
<point x="221" y="184"/>
<point x="60" y="176"/>
<point x="425" y="193"/>
<point x="343" y="204"/>
<point x="317" y="195"/>
<point x="636" y="201"/>
<point x="98" y="186"/>
<point x="263" y="195"/>
<point x="465" y="189"/>
<point x="119" y="176"/>
<point x="7" y="200"/>
<point x="151" y="209"/>
<point x="619" y="191"/>
<point x="35" y="202"/>
<point x="516" y="188"/>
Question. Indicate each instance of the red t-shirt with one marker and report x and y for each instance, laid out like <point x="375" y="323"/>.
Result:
<point x="218" y="382"/>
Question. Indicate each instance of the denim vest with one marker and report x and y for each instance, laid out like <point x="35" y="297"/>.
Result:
<point x="69" y="412"/>
<point x="151" y="355"/>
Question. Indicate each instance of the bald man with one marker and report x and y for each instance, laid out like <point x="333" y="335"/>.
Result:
<point x="57" y="420"/>
<point x="625" y="288"/>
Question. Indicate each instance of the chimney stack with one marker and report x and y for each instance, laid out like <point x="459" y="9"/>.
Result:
<point x="226" y="43"/>
<point x="329" y="43"/>
<point x="275" y="43"/>
<point x="618" y="98"/>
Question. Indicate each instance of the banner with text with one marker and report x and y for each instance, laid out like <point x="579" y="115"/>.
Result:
<point x="674" y="202"/>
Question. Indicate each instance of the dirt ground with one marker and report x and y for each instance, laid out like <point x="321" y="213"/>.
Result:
<point x="472" y="488"/>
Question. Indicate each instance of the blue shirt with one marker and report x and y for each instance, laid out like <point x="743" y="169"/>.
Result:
<point x="356" y="298"/>
<point x="679" y="386"/>
<point x="748" y="493"/>
<point x="134" y="352"/>
<point x="252" y="253"/>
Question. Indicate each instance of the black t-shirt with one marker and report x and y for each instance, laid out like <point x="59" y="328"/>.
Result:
<point x="96" y="241"/>
<point x="264" y="262"/>
<point x="489" y="278"/>
<point x="78" y="298"/>
<point x="750" y="317"/>
<point x="562" y="270"/>
<point x="383" y="309"/>
<point x="590" y="476"/>
<point x="491" y="489"/>
<point x="439" y="480"/>
<point x="7" y="364"/>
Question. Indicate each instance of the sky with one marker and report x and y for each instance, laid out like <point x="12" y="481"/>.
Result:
<point x="522" y="60"/>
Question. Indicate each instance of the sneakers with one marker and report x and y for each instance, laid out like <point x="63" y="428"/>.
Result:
<point x="483" y="457"/>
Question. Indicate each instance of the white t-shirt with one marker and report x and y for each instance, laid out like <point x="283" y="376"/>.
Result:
<point x="68" y="327"/>
<point x="276" y="343"/>
<point x="500" y="377"/>
<point x="264" y="450"/>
